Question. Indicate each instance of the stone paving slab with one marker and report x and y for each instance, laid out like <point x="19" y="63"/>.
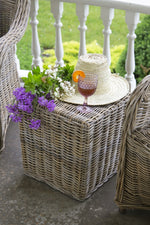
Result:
<point x="25" y="201"/>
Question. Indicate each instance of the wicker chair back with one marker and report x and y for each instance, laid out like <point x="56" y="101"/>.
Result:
<point x="133" y="181"/>
<point x="13" y="21"/>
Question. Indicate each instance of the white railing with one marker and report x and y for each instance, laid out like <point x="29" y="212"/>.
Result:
<point x="132" y="8"/>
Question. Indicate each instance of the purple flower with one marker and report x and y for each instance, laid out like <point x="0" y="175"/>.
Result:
<point x="35" y="124"/>
<point x="23" y="96"/>
<point x="25" y="103"/>
<point x="25" y="108"/>
<point x="51" y="106"/>
<point x="42" y="101"/>
<point x="48" y="96"/>
<point x="28" y="98"/>
<point x="16" y="118"/>
<point x="12" y="108"/>
<point x="19" y="93"/>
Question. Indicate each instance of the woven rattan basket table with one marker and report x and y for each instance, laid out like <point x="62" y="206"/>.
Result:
<point x="72" y="152"/>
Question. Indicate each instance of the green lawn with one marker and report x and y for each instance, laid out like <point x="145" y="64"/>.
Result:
<point x="46" y="30"/>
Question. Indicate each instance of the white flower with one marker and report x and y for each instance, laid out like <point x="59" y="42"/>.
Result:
<point x="56" y="94"/>
<point x="59" y="79"/>
<point x="67" y="82"/>
<point x="57" y="89"/>
<point x="62" y="85"/>
<point x="72" y="90"/>
<point x="66" y="89"/>
<point x="52" y="71"/>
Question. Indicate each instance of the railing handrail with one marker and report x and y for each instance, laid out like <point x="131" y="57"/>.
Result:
<point x="140" y="6"/>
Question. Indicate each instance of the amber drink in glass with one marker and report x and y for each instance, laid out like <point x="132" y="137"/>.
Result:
<point x="87" y="87"/>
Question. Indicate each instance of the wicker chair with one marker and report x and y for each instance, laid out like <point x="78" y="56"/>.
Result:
<point x="133" y="179"/>
<point x="13" y="21"/>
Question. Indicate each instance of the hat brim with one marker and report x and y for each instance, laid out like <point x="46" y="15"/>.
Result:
<point x="118" y="89"/>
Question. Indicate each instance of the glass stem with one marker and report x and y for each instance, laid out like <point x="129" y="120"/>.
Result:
<point x="85" y="101"/>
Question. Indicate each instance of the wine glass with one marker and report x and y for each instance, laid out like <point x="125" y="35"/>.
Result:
<point x="87" y="86"/>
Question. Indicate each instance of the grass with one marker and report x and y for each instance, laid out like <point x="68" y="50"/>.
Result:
<point x="70" y="32"/>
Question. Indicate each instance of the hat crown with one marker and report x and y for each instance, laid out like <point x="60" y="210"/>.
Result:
<point x="93" y="58"/>
<point x="96" y="64"/>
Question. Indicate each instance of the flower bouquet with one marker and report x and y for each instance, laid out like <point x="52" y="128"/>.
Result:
<point x="43" y="88"/>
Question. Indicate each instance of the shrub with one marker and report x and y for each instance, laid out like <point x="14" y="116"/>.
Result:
<point x="120" y="66"/>
<point x="71" y="50"/>
<point x="142" y="46"/>
<point x="115" y="55"/>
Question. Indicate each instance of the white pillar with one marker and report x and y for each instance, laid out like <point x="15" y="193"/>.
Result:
<point x="132" y="20"/>
<point x="82" y="12"/>
<point x="36" y="51"/>
<point x="17" y="60"/>
<point x="57" y="10"/>
<point x="107" y="15"/>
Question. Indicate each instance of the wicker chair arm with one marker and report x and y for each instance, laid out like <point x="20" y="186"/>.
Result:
<point x="17" y="29"/>
<point x="140" y="94"/>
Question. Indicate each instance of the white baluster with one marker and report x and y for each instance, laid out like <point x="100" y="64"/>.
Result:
<point x="132" y="20"/>
<point x="107" y="15"/>
<point x="36" y="51"/>
<point x="17" y="60"/>
<point x="57" y="10"/>
<point x="82" y="12"/>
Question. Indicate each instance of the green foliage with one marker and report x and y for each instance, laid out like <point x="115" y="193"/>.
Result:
<point x="49" y="57"/>
<point x="24" y="50"/>
<point x="120" y="66"/>
<point x="37" y="82"/>
<point x="46" y="30"/>
<point x="65" y="73"/>
<point x="41" y="82"/>
<point x="142" y="46"/>
<point x="115" y="55"/>
<point x="71" y="50"/>
<point x="94" y="47"/>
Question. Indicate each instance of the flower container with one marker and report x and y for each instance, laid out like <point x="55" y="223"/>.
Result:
<point x="72" y="152"/>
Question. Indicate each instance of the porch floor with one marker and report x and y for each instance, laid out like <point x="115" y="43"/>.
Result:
<point x="26" y="201"/>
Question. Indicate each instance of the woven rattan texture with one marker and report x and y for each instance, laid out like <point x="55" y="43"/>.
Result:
<point x="13" y="21"/>
<point x="133" y="181"/>
<point x="72" y="152"/>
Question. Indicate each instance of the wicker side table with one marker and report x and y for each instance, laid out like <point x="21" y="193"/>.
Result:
<point x="72" y="152"/>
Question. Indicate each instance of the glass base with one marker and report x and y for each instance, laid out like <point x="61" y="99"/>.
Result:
<point x="84" y="109"/>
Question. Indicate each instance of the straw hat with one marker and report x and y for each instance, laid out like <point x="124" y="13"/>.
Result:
<point x="110" y="88"/>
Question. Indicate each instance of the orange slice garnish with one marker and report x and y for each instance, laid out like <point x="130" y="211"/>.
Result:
<point x="76" y="75"/>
